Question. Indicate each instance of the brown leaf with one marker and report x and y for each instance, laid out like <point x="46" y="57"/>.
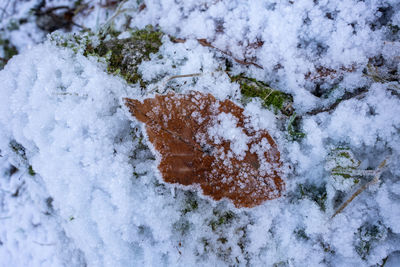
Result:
<point x="178" y="126"/>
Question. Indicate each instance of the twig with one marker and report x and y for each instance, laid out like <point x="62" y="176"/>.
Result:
<point x="288" y="107"/>
<point x="270" y="93"/>
<point x="43" y="244"/>
<point x="79" y="26"/>
<point x="184" y="76"/>
<point x="377" y="173"/>
<point x="206" y="43"/>
<point x="4" y="10"/>
<point x="50" y="10"/>
<point x="68" y="93"/>
<point x="357" y="93"/>
<point x="80" y="8"/>
<point x="116" y="14"/>
<point x="164" y="82"/>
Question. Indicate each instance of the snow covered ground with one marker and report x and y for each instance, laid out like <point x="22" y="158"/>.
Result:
<point x="78" y="182"/>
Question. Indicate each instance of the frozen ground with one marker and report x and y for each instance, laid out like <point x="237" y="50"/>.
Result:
<point x="78" y="183"/>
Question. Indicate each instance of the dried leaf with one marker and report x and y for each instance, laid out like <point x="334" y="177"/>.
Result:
<point x="178" y="125"/>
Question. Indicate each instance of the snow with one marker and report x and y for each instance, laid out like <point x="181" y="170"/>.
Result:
<point x="95" y="198"/>
<point x="29" y="224"/>
<point x="225" y="128"/>
<point x="387" y="199"/>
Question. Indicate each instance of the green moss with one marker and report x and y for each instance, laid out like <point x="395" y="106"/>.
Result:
<point x="206" y="244"/>
<point x="31" y="171"/>
<point x="344" y="158"/>
<point x="326" y="247"/>
<point x="281" y="264"/>
<point x="301" y="234"/>
<point x="13" y="25"/>
<point x="393" y="28"/>
<point x="315" y="193"/>
<point x="182" y="226"/>
<point x="18" y="149"/>
<point x="270" y="98"/>
<point x="367" y="236"/>
<point x="344" y="175"/>
<point x="9" y="50"/>
<point x="292" y="128"/>
<point x="191" y="203"/>
<point x="222" y="240"/>
<point x="122" y="56"/>
<point x="221" y="219"/>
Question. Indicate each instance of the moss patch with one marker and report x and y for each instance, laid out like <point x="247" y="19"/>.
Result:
<point x="9" y="50"/>
<point x="300" y="234"/>
<point x="125" y="55"/>
<point x="221" y="218"/>
<point x="270" y="98"/>
<point x="191" y="203"/>
<point x="315" y="193"/>
<point x="18" y="149"/>
<point x="294" y="133"/>
<point x="122" y="56"/>
<point x="367" y="236"/>
<point x="31" y="171"/>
